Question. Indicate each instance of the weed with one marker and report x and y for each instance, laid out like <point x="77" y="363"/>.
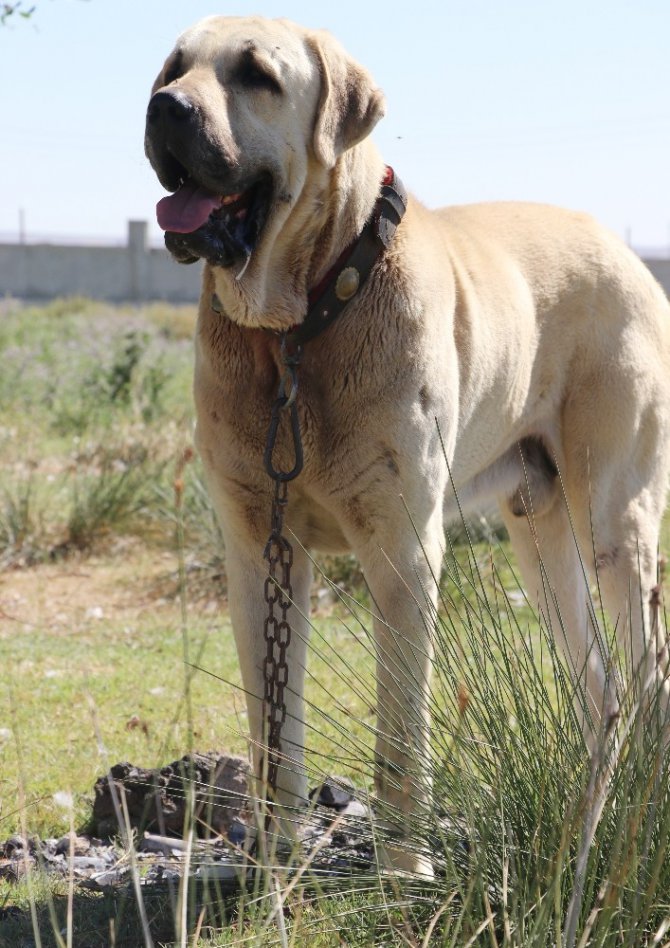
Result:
<point x="20" y="524"/>
<point x="111" y="499"/>
<point x="119" y="375"/>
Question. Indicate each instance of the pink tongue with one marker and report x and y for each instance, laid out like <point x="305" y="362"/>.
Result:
<point x="186" y="210"/>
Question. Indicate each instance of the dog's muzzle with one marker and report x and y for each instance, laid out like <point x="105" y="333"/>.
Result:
<point x="214" y="212"/>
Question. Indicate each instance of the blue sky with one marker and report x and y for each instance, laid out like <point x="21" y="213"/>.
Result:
<point x="566" y="103"/>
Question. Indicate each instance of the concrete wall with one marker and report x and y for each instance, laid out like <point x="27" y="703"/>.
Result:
<point x="661" y="270"/>
<point x="135" y="272"/>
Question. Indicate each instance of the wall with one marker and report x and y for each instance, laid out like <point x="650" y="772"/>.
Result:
<point x="661" y="270"/>
<point x="135" y="272"/>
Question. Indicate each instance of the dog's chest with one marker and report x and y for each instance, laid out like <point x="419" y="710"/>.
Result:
<point x="353" y="461"/>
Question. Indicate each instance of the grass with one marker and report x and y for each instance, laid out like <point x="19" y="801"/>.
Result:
<point x="110" y="576"/>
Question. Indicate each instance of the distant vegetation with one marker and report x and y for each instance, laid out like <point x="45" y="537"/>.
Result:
<point x="95" y="415"/>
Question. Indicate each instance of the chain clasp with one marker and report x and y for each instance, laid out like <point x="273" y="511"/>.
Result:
<point x="286" y="399"/>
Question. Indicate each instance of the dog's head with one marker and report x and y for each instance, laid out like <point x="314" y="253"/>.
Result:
<point x="239" y="114"/>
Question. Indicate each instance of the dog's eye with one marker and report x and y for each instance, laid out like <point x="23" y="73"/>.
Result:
<point x="174" y="69"/>
<point x="254" y="76"/>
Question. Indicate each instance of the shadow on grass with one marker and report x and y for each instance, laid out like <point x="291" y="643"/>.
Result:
<point x="101" y="919"/>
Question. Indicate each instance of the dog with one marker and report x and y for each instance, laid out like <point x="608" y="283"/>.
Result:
<point x="505" y="350"/>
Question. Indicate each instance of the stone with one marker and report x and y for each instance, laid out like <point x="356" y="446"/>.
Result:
<point x="219" y="871"/>
<point x="335" y="793"/>
<point x="71" y="843"/>
<point x="12" y="845"/>
<point x="156" y="800"/>
<point x="357" y="811"/>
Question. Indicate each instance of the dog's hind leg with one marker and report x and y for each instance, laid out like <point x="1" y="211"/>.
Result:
<point x="556" y="583"/>
<point x="616" y="474"/>
<point x="626" y="523"/>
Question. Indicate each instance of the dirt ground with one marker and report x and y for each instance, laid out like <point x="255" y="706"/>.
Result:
<point x="124" y="583"/>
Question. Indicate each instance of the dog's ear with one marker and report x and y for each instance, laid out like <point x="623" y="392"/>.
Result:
<point x="350" y="104"/>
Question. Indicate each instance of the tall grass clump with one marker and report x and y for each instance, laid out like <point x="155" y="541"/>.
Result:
<point x="534" y="842"/>
<point x="21" y="523"/>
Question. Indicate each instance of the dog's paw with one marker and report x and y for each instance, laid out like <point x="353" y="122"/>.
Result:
<point x="403" y="860"/>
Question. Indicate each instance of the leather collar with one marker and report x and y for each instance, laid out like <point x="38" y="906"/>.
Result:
<point x="347" y="277"/>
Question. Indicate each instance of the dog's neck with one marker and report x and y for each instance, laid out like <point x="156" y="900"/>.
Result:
<point x="351" y="191"/>
<point x="272" y="292"/>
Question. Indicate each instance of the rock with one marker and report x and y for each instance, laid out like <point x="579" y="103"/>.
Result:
<point x="141" y="790"/>
<point x="10" y="870"/>
<point x="77" y="845"/>
<point x="161" y="873"/>
<point x="157" y="799"/>
<point x="357" y="811"/>
<point x="156" y="844"/>
<point x="13" y="845"/>
<point x="219" y="871"/>
<point x="335" y="793"/>
<point x="221" y="806"/>
<point x="88" y="863"/>
<point x="108" y="877"/>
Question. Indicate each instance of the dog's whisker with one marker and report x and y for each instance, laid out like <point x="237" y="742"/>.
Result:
<point x="244" y="266"/>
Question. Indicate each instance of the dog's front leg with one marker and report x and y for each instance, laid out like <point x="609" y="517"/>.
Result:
<point x="403" y="586"/>
<point x="247" y="572"/>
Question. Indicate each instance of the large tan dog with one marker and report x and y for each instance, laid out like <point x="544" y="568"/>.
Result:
<point x="534" y="339"/>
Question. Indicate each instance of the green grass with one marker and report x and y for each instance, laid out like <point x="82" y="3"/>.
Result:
<point x="69" y="689"/>
<point x="101" y="602"/>
<point x="69" y="695"/>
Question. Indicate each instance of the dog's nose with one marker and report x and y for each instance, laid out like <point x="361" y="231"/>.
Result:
<point x="169" y="106"/>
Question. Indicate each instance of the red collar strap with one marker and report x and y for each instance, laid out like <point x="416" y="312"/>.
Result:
<point x="347" y="276"/>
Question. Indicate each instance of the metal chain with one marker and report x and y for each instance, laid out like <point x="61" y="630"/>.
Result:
<point x="277" y="630"/>
<point x="279" y="557"/>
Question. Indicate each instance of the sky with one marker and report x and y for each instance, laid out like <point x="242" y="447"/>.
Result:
<point x="566" y="103"/>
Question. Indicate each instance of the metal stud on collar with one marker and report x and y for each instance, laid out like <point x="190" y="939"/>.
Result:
<point x="347" y="284"/>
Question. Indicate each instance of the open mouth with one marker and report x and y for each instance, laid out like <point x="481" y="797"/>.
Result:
<point x="223" y="229"/>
